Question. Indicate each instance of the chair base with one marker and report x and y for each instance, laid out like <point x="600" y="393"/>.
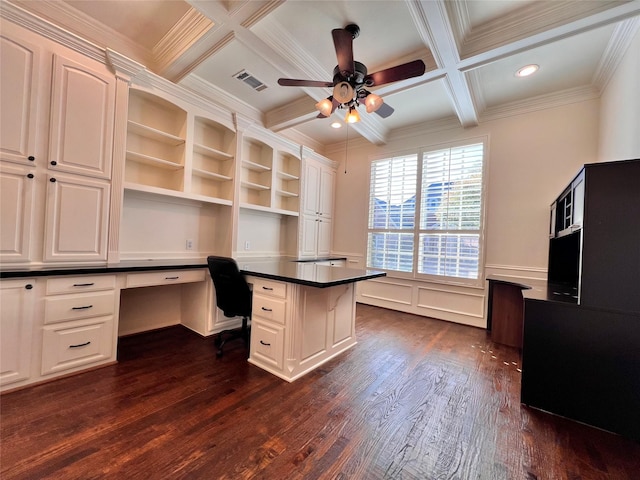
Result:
<point x="227" y="335"/>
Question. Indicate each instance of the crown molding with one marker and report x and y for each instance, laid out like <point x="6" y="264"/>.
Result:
<point x="260" y="13"/>
<point x="209" y="92"/>
<point x="180" y="38"/>
<point x="541" y="102"/>
<point x="44" y="27"/>
<point x="46" y="16"/>
<point x="475" y="87"/>
<point x="616" y="49"/>
<point x="122" y="66"/>
<point x="441" y="125"/>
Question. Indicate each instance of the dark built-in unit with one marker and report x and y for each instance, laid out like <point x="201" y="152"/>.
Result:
<point x="581" y="340"/>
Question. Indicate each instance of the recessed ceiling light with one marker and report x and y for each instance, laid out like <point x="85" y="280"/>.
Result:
<point x="527" y="70"/>
<point x="336" y="125"/>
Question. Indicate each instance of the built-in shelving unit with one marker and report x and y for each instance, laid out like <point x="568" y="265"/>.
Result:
<point x="287" y="178"/>
<point x="213" y="160"/>
<point x="257" y="166"/>
<point x="156" y="138"/>
<point x="270" y="178"/>
<point x="173" y="152"/>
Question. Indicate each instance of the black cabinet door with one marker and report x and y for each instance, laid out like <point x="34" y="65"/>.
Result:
<point x="583" y="363"/>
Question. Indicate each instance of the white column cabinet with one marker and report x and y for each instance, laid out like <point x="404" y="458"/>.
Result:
<point x="317" y="211"/>
<point x="17" y="299"/>
<point x="57" y="116"/>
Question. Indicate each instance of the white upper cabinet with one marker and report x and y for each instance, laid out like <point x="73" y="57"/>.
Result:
<point x="317" y="209"/>
<point x="82" y="116"/>
<point x="58" y="113"/>
<point x="319" y="189"/>
<point x="20" y="61"/>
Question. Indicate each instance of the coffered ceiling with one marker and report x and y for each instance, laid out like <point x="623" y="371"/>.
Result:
<point x="472" y="50"/>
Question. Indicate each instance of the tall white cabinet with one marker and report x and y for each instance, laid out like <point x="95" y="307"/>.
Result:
<point x="317" y="208"/>
<point x="55" y="151"/>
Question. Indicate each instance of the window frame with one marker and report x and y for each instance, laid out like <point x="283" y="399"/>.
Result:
<point x="417" y="231"/>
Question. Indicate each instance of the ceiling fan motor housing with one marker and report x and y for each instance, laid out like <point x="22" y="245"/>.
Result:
<point x="357" y="80"/>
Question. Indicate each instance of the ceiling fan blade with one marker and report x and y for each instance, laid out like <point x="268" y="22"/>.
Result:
<point x="292" y="82"/>
<point x="394" y="74"/>
<point x="385" y="110"/>
<point x="343" y="41"/>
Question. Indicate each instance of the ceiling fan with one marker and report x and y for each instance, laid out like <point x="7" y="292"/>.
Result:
<point x="351" y="80"/>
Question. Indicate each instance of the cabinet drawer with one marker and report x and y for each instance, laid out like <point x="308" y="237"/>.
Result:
<point x="269" y="308"/>
<point x="164" y="278"/>
<point x="73" y="307"/>
<point x="85" y="283"/>
<point x="71" y="345"/>
<point x="273" y="288"/>
<point x="267" y="344"/>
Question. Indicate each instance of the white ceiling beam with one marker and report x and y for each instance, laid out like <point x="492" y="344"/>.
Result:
<point x="432" y="22"/>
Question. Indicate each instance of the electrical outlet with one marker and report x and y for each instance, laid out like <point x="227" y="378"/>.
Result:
<point x="247" y="245"/>
<point x="189" y="244"/>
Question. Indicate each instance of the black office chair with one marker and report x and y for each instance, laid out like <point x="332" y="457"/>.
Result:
<point x="233" y="297"/>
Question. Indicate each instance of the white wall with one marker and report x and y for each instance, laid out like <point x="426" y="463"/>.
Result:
<point x="620" y="108"/>
<point x="532" y="157"/>
<point x="155" y="227"/>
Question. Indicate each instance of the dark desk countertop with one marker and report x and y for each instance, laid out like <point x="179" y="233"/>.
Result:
<point x="284" y="269"/>
<point x="534" y="289"/>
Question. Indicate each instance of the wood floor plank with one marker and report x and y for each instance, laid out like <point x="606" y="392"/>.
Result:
<point x="416" y="398"/>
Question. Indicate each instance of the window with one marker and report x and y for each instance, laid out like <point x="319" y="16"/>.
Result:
<point x="442" y="237"/>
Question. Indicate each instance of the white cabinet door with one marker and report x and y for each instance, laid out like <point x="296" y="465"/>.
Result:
<point x="324" y="237"/>
<point x="316" y="226"/>
<point x="309" y="236"/>
<point x="311" y="192"/>
<point x="16" y="328"/>
<point x="17" y="190"/>
<point x="326" y="192"/>
<point x="76" y="219"/>
<point x="82" y="117"/>
<point x="19" y="99"/>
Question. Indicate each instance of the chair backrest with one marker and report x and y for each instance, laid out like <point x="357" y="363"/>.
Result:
<point x="233" y="295"/>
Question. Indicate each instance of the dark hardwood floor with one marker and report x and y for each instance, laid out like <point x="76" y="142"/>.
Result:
<point x="415" y="399"/>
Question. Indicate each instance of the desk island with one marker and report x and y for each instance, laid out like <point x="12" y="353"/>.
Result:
<point x="303" y="314"/>
<point x="59" y="320"/>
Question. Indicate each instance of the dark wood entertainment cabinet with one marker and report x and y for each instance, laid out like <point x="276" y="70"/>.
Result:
<point x="581" y="337"/>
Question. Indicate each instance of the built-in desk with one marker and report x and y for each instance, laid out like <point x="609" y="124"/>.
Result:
<point x="62" y="320"/>
<point x="303" y="314"/>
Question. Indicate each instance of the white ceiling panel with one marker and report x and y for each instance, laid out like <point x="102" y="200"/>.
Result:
<point x="561" y="67"/>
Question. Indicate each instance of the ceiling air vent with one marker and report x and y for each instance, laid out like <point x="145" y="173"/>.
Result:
<point x="250" y="80"/>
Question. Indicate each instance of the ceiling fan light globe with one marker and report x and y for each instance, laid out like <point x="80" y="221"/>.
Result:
<point x="324" y="107"/>
<point x="373" y="102"/>
<point x="352" y="116"/>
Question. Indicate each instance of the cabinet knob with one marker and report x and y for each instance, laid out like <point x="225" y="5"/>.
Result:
<point x="31" y="158"/>
<point x="28" y="286"/>
<point x="54" y="163"/>
<point x="30" y="175"/>
<point x="52" y="180"/>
